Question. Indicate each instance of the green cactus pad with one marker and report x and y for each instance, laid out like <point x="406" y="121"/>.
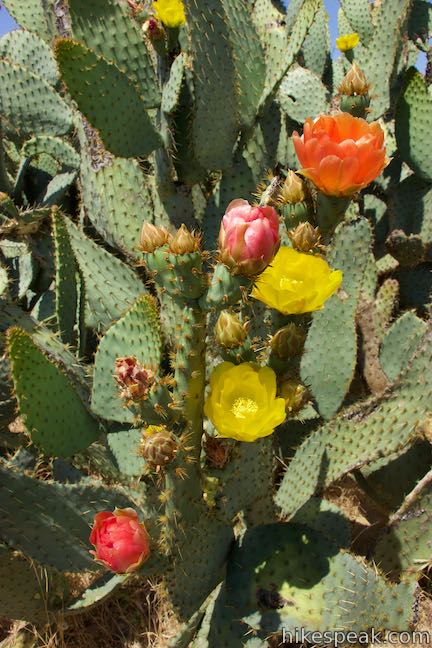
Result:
<point x="50" y="522"/>
<point x="284" y="43"/>
<point x="288" y="576"/>
<point x="172" y="88"/>
<point x="28" y="591"/>
<point x="30" y="15"/>
<point x="136" y="334"/>
<point x="26" y="49"/>
<point x="48" y="342"/>
<point x="109" y="99"/>
<point x="216" y="119"/>
<point x="302" y="94"/>
<point x="111" y="287"/>
<point x="414" y="124"/>
<point x="359" y="14"/>
<point x="247" y="482"/>
<point x="316" y="45"/>
<point x="376" y="428"/>
<point x="66" y="295"/>
<point x="413" y="207"/>
<point x="248" y="57"/>
<point x="30" y="103"/>
<point x="386" y="44"/>
<point x="105" y="26"/>
<point x="386" y="303"/>
<point x="57" y="148"/>
<point x="393" y="477"/>
<point x="404" y="548"/>
<point x="55" y="415"/>
<point x="219" y="627"/>
<point x="97" y="592"/>
<point x="123" y="446"/>
<point x="328" y="362"/>
<point x="117" y="201"/>
<point x="197" y="566"/>
<point x="400" y="343"/>
<point x="327" y="519"/>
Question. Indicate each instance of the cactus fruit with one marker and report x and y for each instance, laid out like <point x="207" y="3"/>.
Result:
<point x="215" y="295"/>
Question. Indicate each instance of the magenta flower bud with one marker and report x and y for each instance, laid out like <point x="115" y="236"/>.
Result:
<point x="248" y="237"/>
<point x="121" y="541"/>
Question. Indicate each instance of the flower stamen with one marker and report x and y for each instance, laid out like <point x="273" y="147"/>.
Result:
<point x="244" y="407"/>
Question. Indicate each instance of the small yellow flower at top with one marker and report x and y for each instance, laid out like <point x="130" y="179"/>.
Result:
<point x="170" y="12"/>
<point x="347" y="42"/>
<point x="242" y="403"/>
<point x="296" y="283"/>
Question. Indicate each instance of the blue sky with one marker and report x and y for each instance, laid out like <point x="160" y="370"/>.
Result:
<point x="6" y="24"/>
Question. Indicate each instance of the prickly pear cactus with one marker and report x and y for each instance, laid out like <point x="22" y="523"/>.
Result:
<point x="215" y="290"/>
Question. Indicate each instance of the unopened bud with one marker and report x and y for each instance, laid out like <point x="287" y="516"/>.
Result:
<point x="153" y="237"/>
<point x="248" y="237"/>
<point x="293" y="190"/>
<point x="354" y="82"/>
<point x="158" y="446"/>
<point x="229" y="331"/>
<point x="184" y="242"/>
<point x="153" y="29"/>
<point x="295" y="395"/>
<point x="288" y="341"/>
<point x="133" y="379"/>
<point x="217" y="451"/>
<point x="305" y="237"/>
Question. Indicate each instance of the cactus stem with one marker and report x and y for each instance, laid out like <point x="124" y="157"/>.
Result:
<point x="5" y="184"/>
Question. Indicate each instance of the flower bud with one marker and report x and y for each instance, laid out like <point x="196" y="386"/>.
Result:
<point x="153" y="29"/>
<point x="248" y="237"/>
<point x="217" y="452"/>
<point x="229" y="331"/>
<point x="121" y="541"/>
<point x="134" y="380"/>
<point x="305" y="237"/>
<point x="354" y="82"/>
<point x="293" y="189"/>
<point x="288" y="341"/>
<point x="153" y="237"/>
<point x="158" y="446"/>
<point x="184" y="242"/>
<point x="295" y="395"/>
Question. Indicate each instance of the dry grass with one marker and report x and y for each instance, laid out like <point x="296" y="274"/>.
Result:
<point x="365" y="517"/>
<point x="139" y="616"/>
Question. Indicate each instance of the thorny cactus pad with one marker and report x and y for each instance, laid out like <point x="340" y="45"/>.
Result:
<point x="215" y="296"/>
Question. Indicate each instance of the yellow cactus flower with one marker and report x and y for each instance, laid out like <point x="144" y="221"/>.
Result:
<point x="170" y="12"/>
<point x="296" y="282"/>
<point x="347" y="42"/>
<point x="242" y="403"/>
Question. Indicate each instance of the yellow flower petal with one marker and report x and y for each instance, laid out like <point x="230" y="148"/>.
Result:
<point x="170" y="12"/>
<point x="347" y="42"/>
<point x="242" y="402"/>
<point x="296" y="283"/>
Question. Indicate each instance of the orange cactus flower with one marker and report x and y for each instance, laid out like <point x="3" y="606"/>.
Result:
<point x="341" y="154"/>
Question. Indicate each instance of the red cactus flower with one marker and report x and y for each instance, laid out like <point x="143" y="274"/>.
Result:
<point x="122" y="543"/>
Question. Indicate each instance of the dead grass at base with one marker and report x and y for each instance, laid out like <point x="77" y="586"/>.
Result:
<point x="139" y="616"/>
<point x="365" y="517"/>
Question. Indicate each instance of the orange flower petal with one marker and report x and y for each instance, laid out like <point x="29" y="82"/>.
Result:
<point x="340" y="153"/>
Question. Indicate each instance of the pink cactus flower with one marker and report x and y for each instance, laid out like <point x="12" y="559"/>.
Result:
<point x="248" y="237"/>
<point x="121" y="541"/>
